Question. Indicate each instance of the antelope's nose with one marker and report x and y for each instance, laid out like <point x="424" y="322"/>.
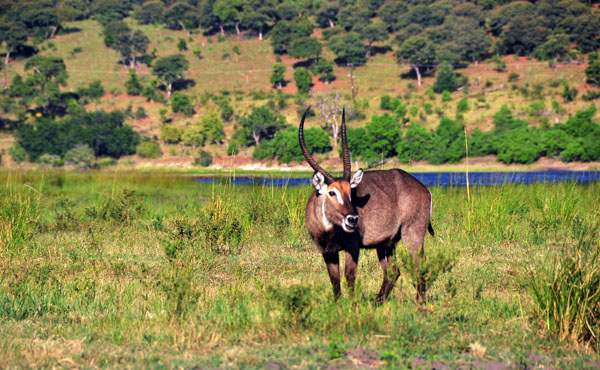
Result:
<point x="352" y="220"/>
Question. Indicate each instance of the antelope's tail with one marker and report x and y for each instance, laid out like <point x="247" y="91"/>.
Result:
<point x="430" y="229"/>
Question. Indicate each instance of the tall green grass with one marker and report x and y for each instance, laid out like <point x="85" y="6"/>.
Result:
<point x="101" y="269"/>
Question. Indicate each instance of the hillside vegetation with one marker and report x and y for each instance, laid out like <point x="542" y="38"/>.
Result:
<point x="208" y="80"/>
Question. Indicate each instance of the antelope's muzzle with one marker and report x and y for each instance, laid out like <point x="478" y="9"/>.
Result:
<point x="350" y="223"/>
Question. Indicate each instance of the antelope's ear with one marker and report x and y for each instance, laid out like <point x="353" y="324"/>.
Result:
<point x="318" y="181"/>
<point x="356" y="178"/>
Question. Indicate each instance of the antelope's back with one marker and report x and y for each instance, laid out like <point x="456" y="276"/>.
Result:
<point x="387" y="200"/>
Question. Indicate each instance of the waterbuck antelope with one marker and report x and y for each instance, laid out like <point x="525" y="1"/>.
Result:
<point x="373" y="210"/>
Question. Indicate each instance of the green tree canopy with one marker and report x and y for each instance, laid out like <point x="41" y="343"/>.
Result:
<point x="305" y="48"/>
<point x="419" y="53"/>
<point x="303" y="80"/>
<point x="261" y="124"/>
<point x="348" y="49"/>
<point x="170" y="70"/>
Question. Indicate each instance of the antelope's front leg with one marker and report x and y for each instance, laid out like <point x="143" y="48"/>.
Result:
<point x="332" y="261"/>
<point x="350" y="269"/>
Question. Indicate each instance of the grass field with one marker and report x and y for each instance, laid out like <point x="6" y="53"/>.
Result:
<point x="134" y="270"/>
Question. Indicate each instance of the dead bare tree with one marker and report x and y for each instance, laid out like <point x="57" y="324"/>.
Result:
<point x="331" y="108"/>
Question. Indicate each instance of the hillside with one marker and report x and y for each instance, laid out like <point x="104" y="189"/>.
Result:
<point x="239" y="68"/>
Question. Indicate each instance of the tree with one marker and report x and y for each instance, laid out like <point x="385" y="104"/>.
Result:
<point x="228" y="12"/>
<point x="258" y="16"/>
<point x="39" y="18"/>
<point x="372" y="33"/>
<point x="150" y="12"/>
<point x="193" y="136"/>
<point x="354" y="17"/>
<point x="48" y="73"/>
<point x="445" y="79"/>
<point x="261" y="124"/>
<point x="556" y="46"/>
<point x="305" y="48"/>
<point x="331" y="109"/>
<point x="181" y="102"/>
<point x="278" y="76"/>
<point x="181" y="15"/>
<point x="12" y="35"/>
<point x="170" y="70"/>
<point x="128" y="43"/>
<point x="523" y="34"/>
<point x="382" y="137"/>
<point x="448" y="142"/>
<point x="349" y="49"/>
<point x="416" y="145"/>
<point x="324" y="68"/>
<point x="212" y="128"/>
<point x="133" y="84"/>
<point x="303" y="80"/>
<point x="327" y="14"/>
<point x="284" y="32"/>
<point x="110" y="10"/>
<point x="592" y="72"/>
<point x="419" y="53"/>
<point x="394" y="14"/>
<point x="501" y="17"/>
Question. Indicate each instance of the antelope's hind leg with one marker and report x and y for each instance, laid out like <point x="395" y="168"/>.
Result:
<point x="332" y="261"/>
<point x="391" y="272"/>
<point x="414" y="238"/>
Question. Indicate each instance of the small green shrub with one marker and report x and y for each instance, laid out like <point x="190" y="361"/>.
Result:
<point x="221" y="227"/>
<point x="81" y="156"/>
<point x="438" y="260"/>
<point x="140" y="113"/>
<point x="50" y="160"/>
<point x="171" y="134"/>
<point x="232" y="149"/>
<point x="513" y="77"/>
<point x="204" y="159"/>
<point x="122" y="208"/>
<point x="295" y="301"/>
<point x="148" y="149"/>
<point x="446" y="96"/>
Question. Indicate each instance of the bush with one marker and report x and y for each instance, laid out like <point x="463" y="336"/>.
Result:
<point x="170" y="134"/>
<point x="463" y="106"/>
<point x="445" y="79"/>
<point x="446" y="96"/>
<point x="181" y="102"/>
<point x="204" y="159"/>
<point x="94" y="90"/>
<point x="80" y="156"/>
<point x="140" y="113"/>
<point x="303" y="80"/>
<point x="133" y="85"/>
<point x="232" y="149"/>
<point x="50" y="160"/>
<point x="148" y="149"/>
<point x="18" y="154"/>
<point x="513" y="77"/>
<point x="193" y="136"/>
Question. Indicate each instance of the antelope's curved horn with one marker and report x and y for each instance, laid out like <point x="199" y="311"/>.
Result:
<point x="345" y="153"/>
<point x="315" y="166"/>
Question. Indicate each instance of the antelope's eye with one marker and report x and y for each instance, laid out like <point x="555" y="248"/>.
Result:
<point x="332" y="194"/>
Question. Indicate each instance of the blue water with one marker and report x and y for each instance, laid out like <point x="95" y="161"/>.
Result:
<point x="439" y="178"/>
